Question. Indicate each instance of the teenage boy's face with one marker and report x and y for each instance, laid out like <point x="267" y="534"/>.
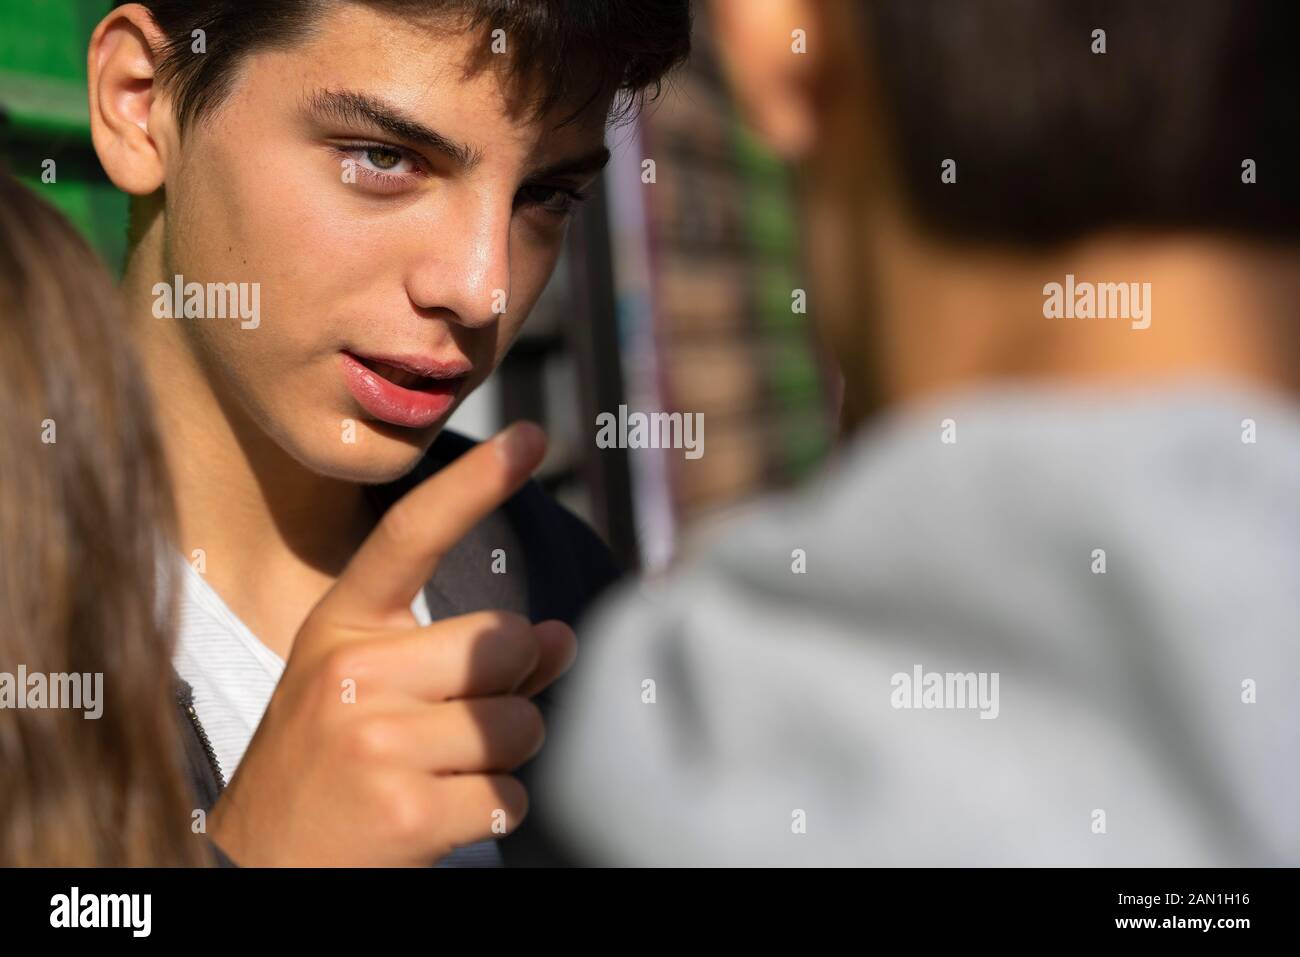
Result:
<point x="400" y="218"/>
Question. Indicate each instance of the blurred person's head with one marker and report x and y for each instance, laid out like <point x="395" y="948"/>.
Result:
<point x="1107" y="140"/>
<point x="82" y="497"/>
<point x="396" y="175"/>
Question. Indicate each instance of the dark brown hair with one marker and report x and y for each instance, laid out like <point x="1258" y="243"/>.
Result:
<point x="83" y="499"/>
<point x="1053" y="140"/>
<point x="573" y="52"/>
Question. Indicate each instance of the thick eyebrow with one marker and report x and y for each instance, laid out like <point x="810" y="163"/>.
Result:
<point x="592" y="162"/>
<point x="352" y="107"/>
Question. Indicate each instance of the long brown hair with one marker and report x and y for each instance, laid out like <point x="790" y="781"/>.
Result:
<point x="83" y="501"/>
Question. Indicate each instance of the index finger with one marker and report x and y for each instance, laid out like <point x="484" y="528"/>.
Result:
<point x="405" y="547"/>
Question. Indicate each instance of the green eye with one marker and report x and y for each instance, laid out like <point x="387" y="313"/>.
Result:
<point x="383" y="159"/>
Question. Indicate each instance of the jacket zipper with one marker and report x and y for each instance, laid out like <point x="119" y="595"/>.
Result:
<point x="187" y="702"/>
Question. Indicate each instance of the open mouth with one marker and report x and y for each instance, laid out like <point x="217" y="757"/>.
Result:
<point x="404" y="378"/>
<point x="414" y="392"/>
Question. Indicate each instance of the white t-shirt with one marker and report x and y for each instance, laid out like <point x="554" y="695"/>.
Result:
<point x="234" y="674"/>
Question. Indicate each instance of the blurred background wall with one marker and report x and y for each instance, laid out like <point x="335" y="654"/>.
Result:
<point x="674" y="294"/>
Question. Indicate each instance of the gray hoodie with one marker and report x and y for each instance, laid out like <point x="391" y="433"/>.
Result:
<point x="1030" y="626"/>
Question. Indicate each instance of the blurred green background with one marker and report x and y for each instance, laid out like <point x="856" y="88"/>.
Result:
<point x="43" y="115"/>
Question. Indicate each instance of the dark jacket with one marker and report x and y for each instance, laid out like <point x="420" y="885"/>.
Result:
<point x="554" y="567"/>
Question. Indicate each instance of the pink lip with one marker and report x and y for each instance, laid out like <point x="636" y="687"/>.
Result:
<point x="410" y="408"/>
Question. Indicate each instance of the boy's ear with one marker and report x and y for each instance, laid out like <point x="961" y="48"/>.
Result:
<point x="131" y="124"/>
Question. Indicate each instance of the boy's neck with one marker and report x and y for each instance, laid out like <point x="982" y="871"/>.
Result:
<point x="951" y="318"/>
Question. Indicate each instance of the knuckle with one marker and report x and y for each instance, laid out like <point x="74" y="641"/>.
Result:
<point x="340" y="664"/>
<point x="372" y="738"/>
<point x="400" y="810"/>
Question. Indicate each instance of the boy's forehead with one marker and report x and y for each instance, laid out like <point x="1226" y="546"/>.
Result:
<point x="437" y="66"/>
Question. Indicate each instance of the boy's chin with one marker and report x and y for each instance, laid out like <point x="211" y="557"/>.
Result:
<point x="373" y="458"/>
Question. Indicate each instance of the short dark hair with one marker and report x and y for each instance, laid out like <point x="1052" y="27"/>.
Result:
<point x="1053" y="141"/>
<point x="571" y="51"/>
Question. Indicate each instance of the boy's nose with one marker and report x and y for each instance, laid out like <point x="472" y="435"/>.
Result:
<point x="466" y="270"/>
